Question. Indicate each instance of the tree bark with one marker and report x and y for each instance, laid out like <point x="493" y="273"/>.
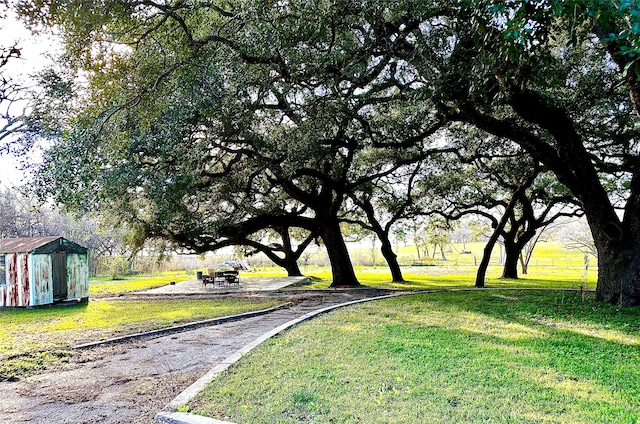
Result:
<point x="619" y="275"/>
<point x="392" y="261"/>
<point x="290" y="261"/>
<point x="524" y="264"/>
<point x="293" y="270"/>
<point x="512" y="253"/>
<point x="341" y="266"/>
<point x="514" y="243"/>
<point x="618" y="246"/>
<point x="486" y="256"/>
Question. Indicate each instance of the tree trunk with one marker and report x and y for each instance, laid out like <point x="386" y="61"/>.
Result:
<point x="617" y="242"/>
<point x="383" y="235"/>
<point x="618" y="267"/>
<point x="486" y="257"/>
<point x="291" y="265"/>
<point x="510" y="269"/>
<point x="392" y="261"/>
<point x="524" y="264"/>
<point x="341" y="266"/>
<point x="290" y="261"/>
<point x="618" y="245"/>
<point x="527" y="250"/>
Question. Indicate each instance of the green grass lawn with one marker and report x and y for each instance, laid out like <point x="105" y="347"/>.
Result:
<point x="551" y="266"/>
<point x="548" y="253"/>
<point x="32" y="340"/>
<point x="480" y="356"/>
<point x="35" y="340"/>
<point x="455" y="277"/>
<point x="101" y="287"/>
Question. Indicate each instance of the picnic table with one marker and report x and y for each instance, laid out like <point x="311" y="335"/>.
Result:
<point x="222" y="279"/>
<point x="225" y="274"/>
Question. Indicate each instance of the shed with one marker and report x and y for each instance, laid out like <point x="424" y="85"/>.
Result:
<point x="42" y="270"/>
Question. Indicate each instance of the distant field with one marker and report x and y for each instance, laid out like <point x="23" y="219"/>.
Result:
<point x="551" y="265"/>
<point x="544" y="254"/>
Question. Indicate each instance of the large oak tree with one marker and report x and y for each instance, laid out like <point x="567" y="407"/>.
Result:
<point x="185" y="106"/>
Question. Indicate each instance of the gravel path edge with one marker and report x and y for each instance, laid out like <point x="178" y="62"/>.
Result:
<point x="182" y="327"/>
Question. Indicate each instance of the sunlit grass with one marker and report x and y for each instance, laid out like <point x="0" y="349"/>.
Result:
<point x="100" y="287"/>
<point x="481" y="356"/>
<point x="265" y="272"/>
<point x="56" y="328"/>
<point x="551" y="266"/>
<point x="544" y="254"/>
<point x="434" y="278"/>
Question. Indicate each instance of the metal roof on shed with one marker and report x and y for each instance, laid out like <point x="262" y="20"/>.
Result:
<point x="22" y="245"/>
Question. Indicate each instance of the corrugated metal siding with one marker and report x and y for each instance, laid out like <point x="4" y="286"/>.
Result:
<point x="78" y="275"/>
<point x="17" y="291"/>
<point x="41" y="277"/>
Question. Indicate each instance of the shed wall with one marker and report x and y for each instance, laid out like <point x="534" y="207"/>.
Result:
<point x="77" y="275"/>
<point x="42" y="280"/>
<point x="16" y="292"/>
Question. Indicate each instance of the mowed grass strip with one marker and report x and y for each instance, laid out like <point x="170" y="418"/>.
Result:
<point x="485" y="356"/>
<point x="105" y="288"/>
<point x="34" y="340"/>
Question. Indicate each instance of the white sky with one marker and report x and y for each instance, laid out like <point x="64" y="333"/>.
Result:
<point x="35" y="54"/>
<point x="10" y="175"/>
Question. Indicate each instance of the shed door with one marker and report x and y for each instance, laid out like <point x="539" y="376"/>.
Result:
<point x="59" y="274"/>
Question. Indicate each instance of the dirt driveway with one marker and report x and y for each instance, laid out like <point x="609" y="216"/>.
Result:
<point x="130" y="382"/>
